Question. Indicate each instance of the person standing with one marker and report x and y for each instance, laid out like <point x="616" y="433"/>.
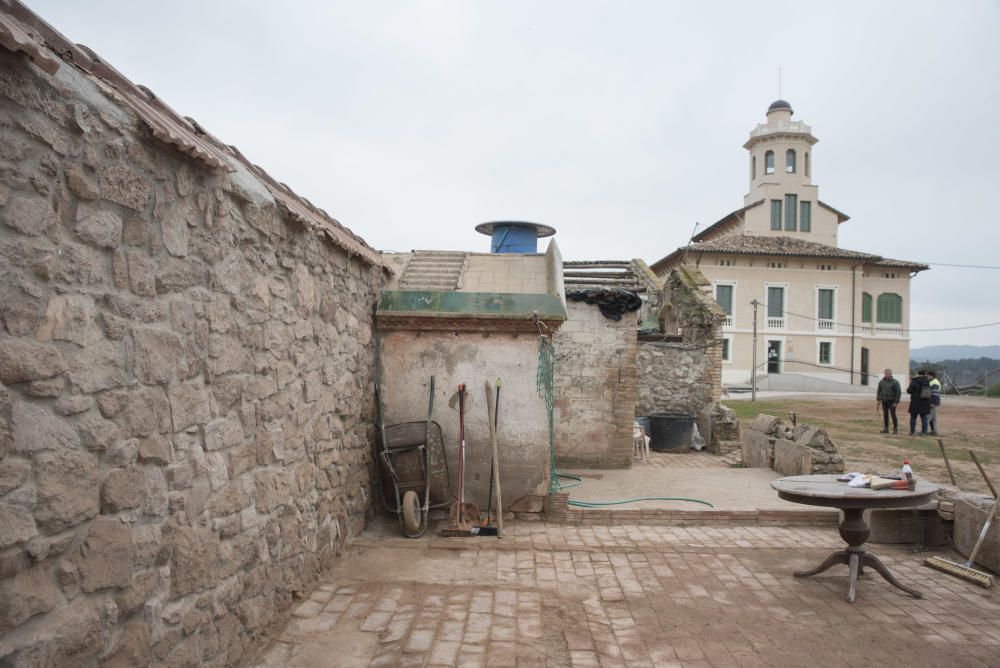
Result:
<point x="935" y="400"/>
<point x="920" y="401"/>
<point x="888" y="395"/>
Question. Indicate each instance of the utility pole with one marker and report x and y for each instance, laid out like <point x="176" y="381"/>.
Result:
<point x="753" y="371"/>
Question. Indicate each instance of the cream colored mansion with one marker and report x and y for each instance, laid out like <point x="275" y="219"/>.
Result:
<point x="824" y="313"/>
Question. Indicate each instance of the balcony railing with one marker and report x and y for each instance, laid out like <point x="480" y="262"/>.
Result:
<point x="881" y="329"/>
<point x="728" y="322"/>
<point x="825" y="325"/>
<point x="775" y="323"/>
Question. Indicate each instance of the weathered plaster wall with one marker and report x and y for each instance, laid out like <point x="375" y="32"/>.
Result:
<point x="409" y="359"/>
<point x="595" y="388"/>
<point x="185" y="383"/>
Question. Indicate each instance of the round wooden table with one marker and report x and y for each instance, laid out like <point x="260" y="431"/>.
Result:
<point x="827" y="491"/>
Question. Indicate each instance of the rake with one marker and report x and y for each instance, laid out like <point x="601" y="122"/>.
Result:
<point x="966" y="571"/>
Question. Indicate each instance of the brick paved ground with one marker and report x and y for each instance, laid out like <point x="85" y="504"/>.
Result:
<point x="554" y="595"/>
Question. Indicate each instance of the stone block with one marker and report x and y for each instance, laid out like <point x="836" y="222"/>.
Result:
<point x="68" y="318"/>
<point x="28" y="215"/>
<point x="141" y="273"/>
<point x="132" y="648"/>
<point x="223" y="433"/>
<point x="155" y="449"/>
<point x="756" y="449"/>
<point x="188" y="405"/>
<point x="23" y="361"/>
<point x="791" y="458"/>
<point x="68" y="489"/>
<point x="157" y="355"/>
<point x="13" y="472"/>
<point x="105" y="557"/>
<point x="195" y="560"/>
<point x="96" y="433"/>
<point x="98" y="226"/>
<point x="99" y="366"/>
<point x="71" y="635"/>
<point x="16" y="524"/>
<point x="26" y="594"/>
<point x="35" y="429"/>
<point x="767" y="424"/>
<point x="123" y="489"/>
<point x="970" y="515"/>
<point x="125" y="186"/>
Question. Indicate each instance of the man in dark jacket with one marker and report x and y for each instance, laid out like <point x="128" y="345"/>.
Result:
<point x="920" y="401"/>
<point x="888" y="395"/>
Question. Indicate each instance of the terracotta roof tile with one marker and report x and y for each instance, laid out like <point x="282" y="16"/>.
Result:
<point x="749" y="244"/>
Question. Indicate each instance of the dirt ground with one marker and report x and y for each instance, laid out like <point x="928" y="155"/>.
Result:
<point x="966" y="423"/>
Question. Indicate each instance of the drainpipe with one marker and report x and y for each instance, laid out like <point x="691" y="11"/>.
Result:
<point x="854" y="297"/>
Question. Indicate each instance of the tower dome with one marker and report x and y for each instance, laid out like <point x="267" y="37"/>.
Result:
<point x="780" y="105"/>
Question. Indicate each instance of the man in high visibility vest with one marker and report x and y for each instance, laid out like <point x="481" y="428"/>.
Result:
<point x="935" y="400"/>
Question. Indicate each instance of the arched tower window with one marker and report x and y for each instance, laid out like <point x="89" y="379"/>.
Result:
<point x="790" y="161"/>
<point x="753" y="167"/>
<point x="807" y="164"/>
<point x="769" y="162"/>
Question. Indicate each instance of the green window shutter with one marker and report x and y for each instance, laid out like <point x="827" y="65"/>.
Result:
<point x="775" y="302"/>
<point x="824" y="352"/>
<point x="889" y="309"/>
<point x="775" y="214"/>
<point x="769" y="162"/>
<point x="866" y="307"/>
<point x="724" y="297"/>
<point x="825" y="304"/>
<point x="790" y="211"/>
<point x="725" y="349"/>
<point x="805" y="216"/>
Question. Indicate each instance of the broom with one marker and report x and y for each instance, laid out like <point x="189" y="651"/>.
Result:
<point x="966" y="571"/>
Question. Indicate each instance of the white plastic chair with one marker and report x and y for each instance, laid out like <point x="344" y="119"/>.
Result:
<point x="640" y="442"/>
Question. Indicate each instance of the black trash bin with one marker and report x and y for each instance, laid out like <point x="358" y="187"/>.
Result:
<point x="671" y="432"/>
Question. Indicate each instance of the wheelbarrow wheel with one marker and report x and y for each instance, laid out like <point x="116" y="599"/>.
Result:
<point x="411" y="512"/>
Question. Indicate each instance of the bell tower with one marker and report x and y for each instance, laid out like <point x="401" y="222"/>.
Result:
<point x="780" y="154"/>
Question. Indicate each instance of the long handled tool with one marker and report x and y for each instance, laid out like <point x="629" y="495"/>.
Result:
<point x="495" y="466"/>
<point x="966" y="571"/>
<point x="947" y="463"/>
<point x="496" y="427"/>
<point x="464" y="516"/>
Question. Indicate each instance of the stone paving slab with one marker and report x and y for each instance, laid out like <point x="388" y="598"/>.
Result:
<point x="557" y="595"/>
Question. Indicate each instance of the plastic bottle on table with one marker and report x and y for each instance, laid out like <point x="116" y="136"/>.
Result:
<point x="911" y="483"/>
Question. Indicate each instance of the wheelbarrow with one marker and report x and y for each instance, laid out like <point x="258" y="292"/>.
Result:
<point x="413" y="469"/>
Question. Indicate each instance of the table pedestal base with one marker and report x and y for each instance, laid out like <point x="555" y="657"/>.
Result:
<point x="855" y="532"/>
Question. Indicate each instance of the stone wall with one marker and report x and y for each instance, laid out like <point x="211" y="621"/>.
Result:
<point x="682" y="372"/>
<point x="595" y="388"/>
<point x="185" y="400"/>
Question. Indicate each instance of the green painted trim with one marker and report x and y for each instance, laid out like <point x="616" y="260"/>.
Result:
<point x="483" y="304"/>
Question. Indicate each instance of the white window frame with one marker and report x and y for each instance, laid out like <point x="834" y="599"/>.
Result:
<point x="833" y="348"/>
<point x="767" y="305"/>
<point x="730" y="319"/>
<point x="822" y="325"/>
<point x="729" y="339"/>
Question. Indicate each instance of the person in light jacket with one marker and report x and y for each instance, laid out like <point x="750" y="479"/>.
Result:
<point x="935" y="400"/>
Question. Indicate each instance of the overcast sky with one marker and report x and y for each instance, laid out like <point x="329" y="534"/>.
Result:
<point x="620" y="124"/>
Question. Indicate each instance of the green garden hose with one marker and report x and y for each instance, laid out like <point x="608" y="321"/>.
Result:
<point x="598" y="504"/>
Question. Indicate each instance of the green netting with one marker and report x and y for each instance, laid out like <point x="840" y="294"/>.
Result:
<point x="545" y="384"/>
